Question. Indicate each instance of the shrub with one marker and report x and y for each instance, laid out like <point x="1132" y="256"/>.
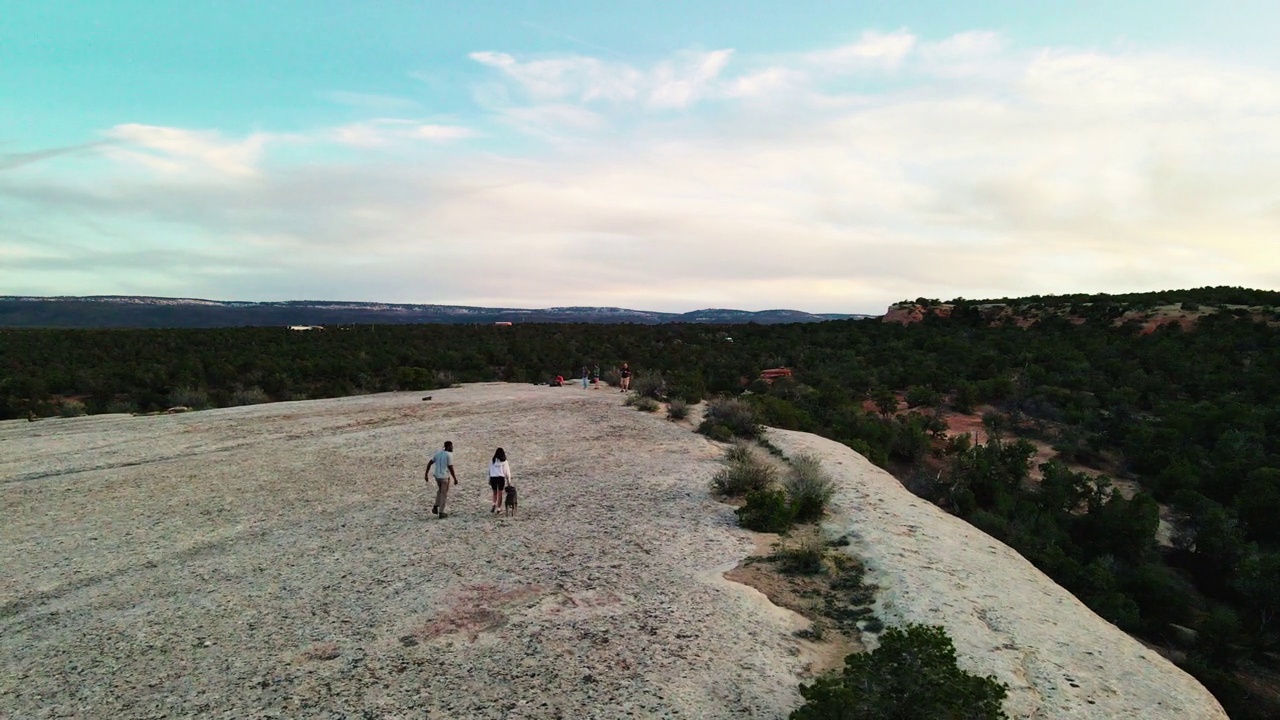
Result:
<point x="744" y="477"/>
<point x="719" y="433"/>
<point x="677" y="409"/>
<point x="737" y="416"/>
<point x="650" y="384"/>
<point x="644" y="403"/>
<point x="802" y="556"/>
<point x="249" y="396"/>
<point x="611" y="377"/>
<point x="71" y="408"/>
<point x="740" y="452"/>
<point x="121" y="406"/>
<point x="687" y="386"/>
<point x="187" y="396"/>
<point x="766" y="511"/>
<point x="810" y="488"/>
<point x="918" y="395"/>
<point x="912" y="675"/>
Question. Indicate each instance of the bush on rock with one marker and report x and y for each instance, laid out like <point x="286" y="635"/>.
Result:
<point x="912" y="676"/>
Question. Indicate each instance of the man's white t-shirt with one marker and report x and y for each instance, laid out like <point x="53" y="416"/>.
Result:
<point x="443" y="459"/>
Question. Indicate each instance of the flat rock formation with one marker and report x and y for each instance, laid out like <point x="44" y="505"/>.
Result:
<point x="282" y="561"/>
<point x="1006" y="618"/>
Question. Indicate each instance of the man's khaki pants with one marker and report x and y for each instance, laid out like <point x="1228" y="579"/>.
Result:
<point x="442" y="492"/>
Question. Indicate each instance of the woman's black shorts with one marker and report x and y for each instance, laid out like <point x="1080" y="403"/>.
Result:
<point x="497" y="483"/>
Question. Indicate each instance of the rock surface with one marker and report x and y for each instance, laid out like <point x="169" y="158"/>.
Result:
<point x="281" y="561"/>
<point x="1006" y="618"/>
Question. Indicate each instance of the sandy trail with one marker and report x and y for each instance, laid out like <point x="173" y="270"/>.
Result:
<point x="281" y="561"/>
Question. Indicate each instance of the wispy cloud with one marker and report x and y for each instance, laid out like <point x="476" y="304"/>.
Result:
<point x="382" y="132"/>
<point x="185" y="152"/>
<point x="9" y="161"/>
<point x="836" y="179"/>
<point x="671" y="83"/>
<point x="871" y="50"/>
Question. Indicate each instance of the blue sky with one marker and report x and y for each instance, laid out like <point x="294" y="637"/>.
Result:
<point x="661" y="155"/>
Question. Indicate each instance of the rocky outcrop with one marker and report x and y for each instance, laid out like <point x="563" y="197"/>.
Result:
<point x="1007" y="618"/>
<point x="907" y="313"/>
<point x="281" y="560"/>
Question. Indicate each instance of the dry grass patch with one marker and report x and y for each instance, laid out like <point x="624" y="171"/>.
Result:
<point x="834" y="596"/>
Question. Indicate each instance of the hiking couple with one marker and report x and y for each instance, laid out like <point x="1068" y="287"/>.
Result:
<point x="442" y="464"/>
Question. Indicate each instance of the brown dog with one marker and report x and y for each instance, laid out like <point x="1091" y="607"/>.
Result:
<point x="512" y="503"/>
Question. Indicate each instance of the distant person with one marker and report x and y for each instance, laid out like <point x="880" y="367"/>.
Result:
<point x="499" y="477"/>
<point x="624" y="377"/>
<point x="586" y="377"/>
<point x="443" y="464"/>
<point x="595" y="375"/>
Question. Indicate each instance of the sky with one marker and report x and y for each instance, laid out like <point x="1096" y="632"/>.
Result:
<point x="659" y="155"/>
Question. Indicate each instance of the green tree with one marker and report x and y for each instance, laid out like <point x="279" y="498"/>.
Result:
<point x="912" y="676"/>
<point x="886" y="401"/>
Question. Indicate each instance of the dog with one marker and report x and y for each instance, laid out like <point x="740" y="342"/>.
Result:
<point x="512" y="503"/>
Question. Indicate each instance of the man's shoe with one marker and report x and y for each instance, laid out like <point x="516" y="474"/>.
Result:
<point x="443" y="515"/>
<point x="435" y="509"/>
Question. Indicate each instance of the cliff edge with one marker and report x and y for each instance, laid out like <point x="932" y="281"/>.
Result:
<point x="1006" y="618"/>
<point x="282" y="561"/>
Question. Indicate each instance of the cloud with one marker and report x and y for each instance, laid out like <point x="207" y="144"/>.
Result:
<point x="679" y="85"/>
<point x="709" y="178"/>
<point x="963" y="46"/>
<point x="668" y="84"/>
<point x="872" y="50"/>
<point x="9" y="161"/>
<point x="382" y="132"/>
<point x="583" y="79"/>
<point x="178" y="151"/>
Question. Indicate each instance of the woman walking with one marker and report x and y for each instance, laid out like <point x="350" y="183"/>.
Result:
<point x="499" y="476"/>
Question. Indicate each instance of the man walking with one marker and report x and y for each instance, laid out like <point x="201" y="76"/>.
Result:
<point x="443" y="463"/>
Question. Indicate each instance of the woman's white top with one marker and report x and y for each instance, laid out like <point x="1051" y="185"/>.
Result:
<point x="499" y="468"/>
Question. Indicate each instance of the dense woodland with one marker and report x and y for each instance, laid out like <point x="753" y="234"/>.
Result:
<point x="1191" y="418"/>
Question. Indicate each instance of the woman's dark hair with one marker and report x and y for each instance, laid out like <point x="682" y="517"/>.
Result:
<point x="499" y="456"/>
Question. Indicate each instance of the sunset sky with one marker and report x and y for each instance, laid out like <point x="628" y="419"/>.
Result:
<point x="821" y="156"/>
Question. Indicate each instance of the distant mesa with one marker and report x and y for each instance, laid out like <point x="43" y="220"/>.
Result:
<point x="119" y="311"/>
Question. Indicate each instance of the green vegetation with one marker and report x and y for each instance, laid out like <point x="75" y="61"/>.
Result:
<point x="809" y="487"/>
<point x="1184" y="419"/>
<point x="803" y="554"/>
<point x="736" y="417"/>
<point x="766" y="511"/>
<point x="801" y="497"/>
<point x="677" y="409"/>
<point x="745" y="473"/>
<point x="651" y="385"/>
<point x="643" y="403"/>
<point x="912" y="676"/>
